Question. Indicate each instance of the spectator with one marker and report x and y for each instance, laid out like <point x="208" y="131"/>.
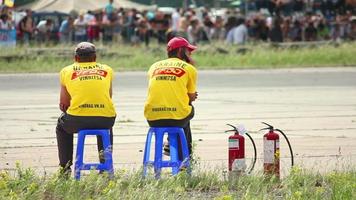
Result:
<point x="109" y="10"/>
<point x="219" y="31"/>
<point x="160" y="25"/>
<point x="27" y="27"/>
<point x="117" y="26"/>
<point x="5" y="23"/>
<point x="252" y="26"/>
<point x="142" y="31"/>
<point x="196" y="32"/>
<point x="299" y="5"/>
<point x="204" y="26"/>
<point x="276" y="34"/>
<point x="89" y="16"/>
<point x="310" y="32"/>
<point x="4" y="10"/>
<point x="238" y="35"/>
<point x="183" y="27"/>
<point x="276" y="6"/>
<point x="295" y="33"/>
<point x="344" y="26"/>
<point x="175" y="19"/>
<point x="230" y="24"/>
<point x="352" y="34"/>
<point x="323" y="31"/>
<point x="44" y="29"/>
<point x="335" y="32"/>
<point x="286" y="28"/>
<point x="66" y="30"/>
<point x="80" y="32"/>
<point x="107" y="28"/>
<point x="262" y="30"/>
<point x="130" y="25"/>
<point x="208" y="26"/>
<point x="287" y="6"/>
<point x="94" y="28"/>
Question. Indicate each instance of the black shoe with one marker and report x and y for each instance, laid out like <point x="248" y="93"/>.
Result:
<point x="166" y="151"/>
<point x="65" y="172"/>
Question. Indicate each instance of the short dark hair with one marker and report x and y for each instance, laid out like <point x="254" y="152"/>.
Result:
<point x="173" y="53"/>
<point x="86" y="58"/>
<point x="85" y="49"/>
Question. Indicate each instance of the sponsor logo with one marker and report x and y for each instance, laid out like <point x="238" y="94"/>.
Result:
<point x="89" y="72"/>
<point x="173" y="71"/>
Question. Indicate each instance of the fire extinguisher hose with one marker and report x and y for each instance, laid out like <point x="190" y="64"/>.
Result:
<point x="290" y="147"/>
<point x="255" y="152"/>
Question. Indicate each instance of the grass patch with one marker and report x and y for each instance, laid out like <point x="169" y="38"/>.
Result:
<point x="300" y="184"/>
<point x="217" y="56"/>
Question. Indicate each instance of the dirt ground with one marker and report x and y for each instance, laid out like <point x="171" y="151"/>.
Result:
<point x="316" y="108"/>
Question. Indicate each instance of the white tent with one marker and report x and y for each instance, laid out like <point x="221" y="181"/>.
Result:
<point x="67" y="6"/>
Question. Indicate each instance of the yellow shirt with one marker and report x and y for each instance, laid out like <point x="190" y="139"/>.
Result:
<point x="88" y="85"/>
<point x="170" y="81"/>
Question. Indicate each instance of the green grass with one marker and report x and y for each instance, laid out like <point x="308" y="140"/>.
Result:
<point x="217" y="56"/>
<point x="299" y="184"/>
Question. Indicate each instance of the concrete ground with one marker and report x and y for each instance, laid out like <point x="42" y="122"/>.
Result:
<point x="316" y="108"/>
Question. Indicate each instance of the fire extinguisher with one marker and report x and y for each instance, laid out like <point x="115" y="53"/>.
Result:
<point x="237" y="150"/>
<point x="271" y="151"/>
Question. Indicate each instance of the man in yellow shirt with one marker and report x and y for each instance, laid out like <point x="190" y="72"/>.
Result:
<point x="85" y="100"/>
<point x="172" y="89"/>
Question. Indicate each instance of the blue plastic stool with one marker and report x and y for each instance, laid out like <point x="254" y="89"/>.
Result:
<point x="107" y="165"/>
<point x="174" y="162"/>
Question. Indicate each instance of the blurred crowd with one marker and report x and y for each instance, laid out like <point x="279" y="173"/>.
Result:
<point x="273" y="21"/>
<point x="6" y="21"/>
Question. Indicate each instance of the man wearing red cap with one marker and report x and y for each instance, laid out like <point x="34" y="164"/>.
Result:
<point x="172" y="89"/>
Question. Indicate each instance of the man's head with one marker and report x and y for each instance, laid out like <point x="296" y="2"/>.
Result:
<point x="49" y="22"/>
<point x="85" y="52"/>
<point x="179" y="47"/>
<point x="353" y="20"/>
<point x="241" y="20"/>
<point x="70" y="19"/>
<point x="4" y="17"/>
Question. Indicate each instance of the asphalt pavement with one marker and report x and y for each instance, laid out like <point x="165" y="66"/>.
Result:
<point x="315" y="107"/>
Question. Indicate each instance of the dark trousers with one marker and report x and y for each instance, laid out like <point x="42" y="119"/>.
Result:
<point x="67" y="125"/>
<point x="183" y="123"/>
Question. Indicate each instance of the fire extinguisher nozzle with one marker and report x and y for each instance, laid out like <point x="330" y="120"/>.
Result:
<point x="233" y="130"/>
<point x="270" y="127"/>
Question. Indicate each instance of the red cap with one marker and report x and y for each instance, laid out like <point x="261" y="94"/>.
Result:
<point x="178" y="42"/>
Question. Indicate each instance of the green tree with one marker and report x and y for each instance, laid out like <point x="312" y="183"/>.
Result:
<point x="22" y="2"/>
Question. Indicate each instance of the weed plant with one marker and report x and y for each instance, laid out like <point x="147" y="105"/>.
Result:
<point x="201" y="184"/>
<point x="217" y="56"/>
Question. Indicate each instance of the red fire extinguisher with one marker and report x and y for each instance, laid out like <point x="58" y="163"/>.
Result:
<point x="237" y="150"/>
<point x="271" y="151"/>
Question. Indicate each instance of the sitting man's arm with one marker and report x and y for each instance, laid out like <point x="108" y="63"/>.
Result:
<point x="110" y="90"/>
<point x="192" y="97"/>
<point x="191" y="86"/>
<point x="64" y="99"/>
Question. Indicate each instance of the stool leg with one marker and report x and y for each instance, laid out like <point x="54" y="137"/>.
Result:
<point x="79" y="155"/>
<point x="108" y="153"/>
<point x="146" y="156"/>
<point x="101" y="148"/>
<point x="158" y="153"/>
<point x="173" y="145"/>
<point x="185" y="151"/>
